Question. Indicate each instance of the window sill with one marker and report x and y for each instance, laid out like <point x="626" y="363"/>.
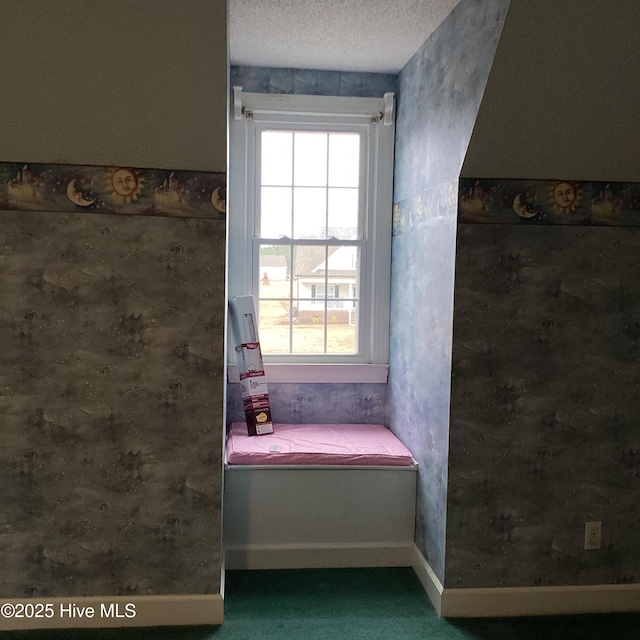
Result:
<point x="322" y="373"/>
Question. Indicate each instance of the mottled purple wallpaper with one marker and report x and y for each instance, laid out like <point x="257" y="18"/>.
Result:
<point x="544" y="405"/>
<point x="111" y="387"/>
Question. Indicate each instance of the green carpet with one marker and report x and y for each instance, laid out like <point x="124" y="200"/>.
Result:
<point x="351" y="604"/>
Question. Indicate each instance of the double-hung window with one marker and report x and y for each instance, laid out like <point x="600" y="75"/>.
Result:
<point x="310" y="208"/>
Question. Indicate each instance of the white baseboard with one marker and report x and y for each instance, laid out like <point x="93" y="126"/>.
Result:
<point x="524" y="601"/>
<point x="314" y="556"/>
<point x="428" y="578"/>
<point x="111" y="611"/>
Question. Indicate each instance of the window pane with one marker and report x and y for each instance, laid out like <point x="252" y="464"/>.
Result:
<point x="310" y="212"/>
<point x="341" y="333"/>
<point x="325" y="301"/>
<point x="277" y="158"/>
<point x="273" y="271"/>
<point x="274" y="326"/>
<point x="307" y="308"/>
<point x="308" y="338"/>
<point x="310" y="159"/>
<point x="275" y="212"/>
<point x="343" y="214"/>
<point x="274" y="287"/>
<point x="343" y="262"/>
<point x="344" y="160"/>
<point x="307" y="260"/>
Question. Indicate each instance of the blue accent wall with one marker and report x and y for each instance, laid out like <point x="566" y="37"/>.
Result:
<point x="318" y="403"/>
<point x="440" y="90"/>
<point x="313" y="82"/>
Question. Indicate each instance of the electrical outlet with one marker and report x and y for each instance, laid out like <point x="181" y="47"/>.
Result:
<point x="592" y="535"/>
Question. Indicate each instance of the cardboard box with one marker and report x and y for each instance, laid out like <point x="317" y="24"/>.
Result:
<point x="255" y="393"/>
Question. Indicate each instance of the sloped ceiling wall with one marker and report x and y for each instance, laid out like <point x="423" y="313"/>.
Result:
<point x="114" y="83"/>
<point x="562" y="98"/>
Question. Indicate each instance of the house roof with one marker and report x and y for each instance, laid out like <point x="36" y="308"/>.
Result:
<point x="307" y="259"/>
<point x="312" y="262"/>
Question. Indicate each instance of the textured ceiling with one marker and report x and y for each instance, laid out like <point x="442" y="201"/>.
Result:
<point x="338" y="35"/>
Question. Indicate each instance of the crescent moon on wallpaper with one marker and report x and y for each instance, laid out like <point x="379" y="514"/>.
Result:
<point x="218" y="203"/>
<point x="521" y="208"/>
<point x="76" y="196"/>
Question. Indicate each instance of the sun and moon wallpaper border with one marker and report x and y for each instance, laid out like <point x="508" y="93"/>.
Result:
<point x="513" y="201"/>
<point x="120" y="190"/>
<point x="571" y="202"/>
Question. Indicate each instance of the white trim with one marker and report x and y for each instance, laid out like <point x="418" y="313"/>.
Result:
<point x="317" y="555"/>
<point x="256" y="104"/>
<point x="326" y="373"/>
<point x="524" y="601"/>
<point x="379" y="257"/>
<point x="430" y="583"/>
<point x="318" y="467"/>
<point x="237" y="103"/>
<point x="150" y="611"/>
<point x="389" y="113"/>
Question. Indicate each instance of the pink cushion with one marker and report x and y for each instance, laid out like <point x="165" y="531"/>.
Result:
<point x="317" y="444"/>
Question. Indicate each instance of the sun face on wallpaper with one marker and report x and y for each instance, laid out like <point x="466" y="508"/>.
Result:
<point x="545" y="202"/>
<point x="126" y="184"/>
<point x="565" y="196"/>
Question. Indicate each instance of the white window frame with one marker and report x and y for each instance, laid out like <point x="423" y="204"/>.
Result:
<point x="374" y="116"/>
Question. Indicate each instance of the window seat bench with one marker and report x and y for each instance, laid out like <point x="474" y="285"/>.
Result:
<point x="318" y="496"/>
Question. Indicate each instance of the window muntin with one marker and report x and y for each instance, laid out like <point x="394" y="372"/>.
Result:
<point x="310" y="184"/>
